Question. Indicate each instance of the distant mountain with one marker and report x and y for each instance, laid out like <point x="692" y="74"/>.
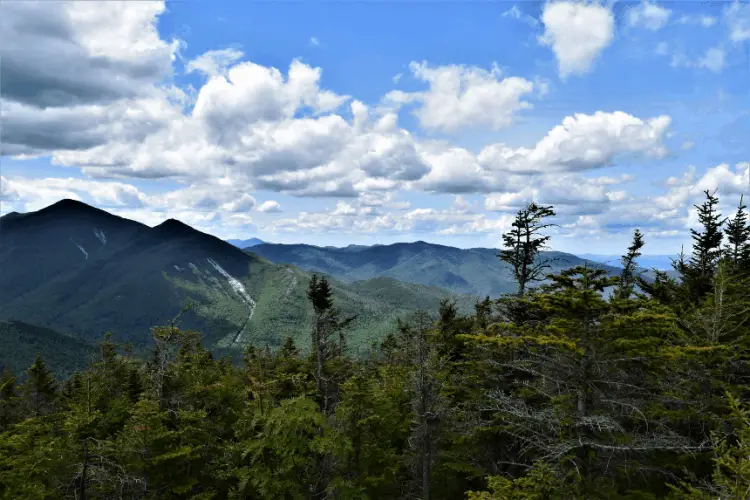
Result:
<point x="474" y="271"/>
<point x="246" y="243"/>
<point x="660" y="262"/>
<point x="74" y="268"/>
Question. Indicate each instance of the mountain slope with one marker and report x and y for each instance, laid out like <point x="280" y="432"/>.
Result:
<point x="474" y="271"/>
<point x="20" y="343"/>
<point x="78" y="269"/>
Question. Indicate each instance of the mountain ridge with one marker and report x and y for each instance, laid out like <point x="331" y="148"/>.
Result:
<point x="73" y="268"/>
<point x="475" y="271"/>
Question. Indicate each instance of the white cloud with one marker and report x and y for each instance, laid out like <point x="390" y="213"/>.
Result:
<point x="214" y="62"/>
<point x="515" y="13"/>
<point x="737" y="17"/>
<point x="464" y="96"/>
<point x="713" y="59"/>
<point x="700" y="20"/>
<point x="68" y="53"/>
<point x="648" y="15"/>
<point x="577" y="34"/>
<point x="582" y="142"/>
<point x="314" y="41"/>
<point x="269" y="206"/>
<point x="397" y="77"/>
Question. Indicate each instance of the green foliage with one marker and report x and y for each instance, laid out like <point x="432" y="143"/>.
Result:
<point x="540" y="483"/>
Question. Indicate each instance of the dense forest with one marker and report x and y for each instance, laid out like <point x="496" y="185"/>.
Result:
<point x="556" y="391"/>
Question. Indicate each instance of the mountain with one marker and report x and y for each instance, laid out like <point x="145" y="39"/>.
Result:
<point x="74" y="268"/>
<point x="474" y="271"/>
<point x="660" y="262"/>
<point x="246" y="243"/>
<point x="20" y="343"/>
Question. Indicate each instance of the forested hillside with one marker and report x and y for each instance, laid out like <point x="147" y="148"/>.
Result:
<point x="474" y="271"/>
<point x="549" y="392"/>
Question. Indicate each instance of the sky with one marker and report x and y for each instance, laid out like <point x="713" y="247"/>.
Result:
<point x="335" y="123"/>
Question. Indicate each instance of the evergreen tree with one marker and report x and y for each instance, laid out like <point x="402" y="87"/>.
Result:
<point x="523" y="244"/>
<point x="40" y="388"/>
<point x="9" y="407"/>
<point x="698" y="272"/>
<point x="328" y="338"/>
<point x="737" y="249"/>
<point x="628" y="277"/>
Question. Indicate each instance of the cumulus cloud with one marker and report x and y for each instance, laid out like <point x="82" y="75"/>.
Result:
<point x="250" y="127"/>
<point x="269" y="206"/>
<point x="464" y="96"/>
<point x="648" y="15"/>
<point x="36" y="193"/>
<point x="577" y="33"/>
<point x="72" y="53"/>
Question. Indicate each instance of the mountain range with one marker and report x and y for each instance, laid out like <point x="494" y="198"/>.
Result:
<point x="473" y="271"/>
<point x="81" y="271"/>
<point x="71" y="273"/>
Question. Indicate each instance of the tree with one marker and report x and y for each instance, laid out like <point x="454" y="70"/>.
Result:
<point x="583" y="381"/>
<point x="523" y="244"/>
<point x="731" y="477"/>
<point x="737" y="249"/>
<point x="40" y="388"/>
<point x="9" y="410"/>
<point x="284" y="453"/>
<point x="706" y="248"/>
<point x="427" y="401"/>
<point x="628" y="277"/>
<point x="328" y="337"/>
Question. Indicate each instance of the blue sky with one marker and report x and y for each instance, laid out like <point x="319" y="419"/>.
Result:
<point x="372" y="122"/>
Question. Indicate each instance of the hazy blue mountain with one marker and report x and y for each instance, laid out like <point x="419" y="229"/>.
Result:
<point x="246" y="243"/>
<point x="77" y="269"/>
<point x="475" y="271"/>
<point x="660" y="262"/>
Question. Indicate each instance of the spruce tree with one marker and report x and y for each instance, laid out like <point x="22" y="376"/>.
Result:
<point x="699" y="271"/>
<point x="40" y="388"/>
<point x="737" y="249"/>
<point x="9" y="411"/>
<point x="628" y="277"/>
<point x="523" y="244"/>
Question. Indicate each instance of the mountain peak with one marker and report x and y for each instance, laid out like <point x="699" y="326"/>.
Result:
<point x="68" y="205"/>
<point x="174" y="227"/>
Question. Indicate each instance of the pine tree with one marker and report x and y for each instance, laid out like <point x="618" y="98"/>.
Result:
<point x="699" y="271"/>
<point x="9" y="408"/>
<point x="523" y="244"/>
<point x="737" y="249"/>
<point x="628" y="277"/>
<point x="40" y="388"/>
<point x="328" y="338"/>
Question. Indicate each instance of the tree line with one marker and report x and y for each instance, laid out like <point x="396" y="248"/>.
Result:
<point x="557" y="391"/>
